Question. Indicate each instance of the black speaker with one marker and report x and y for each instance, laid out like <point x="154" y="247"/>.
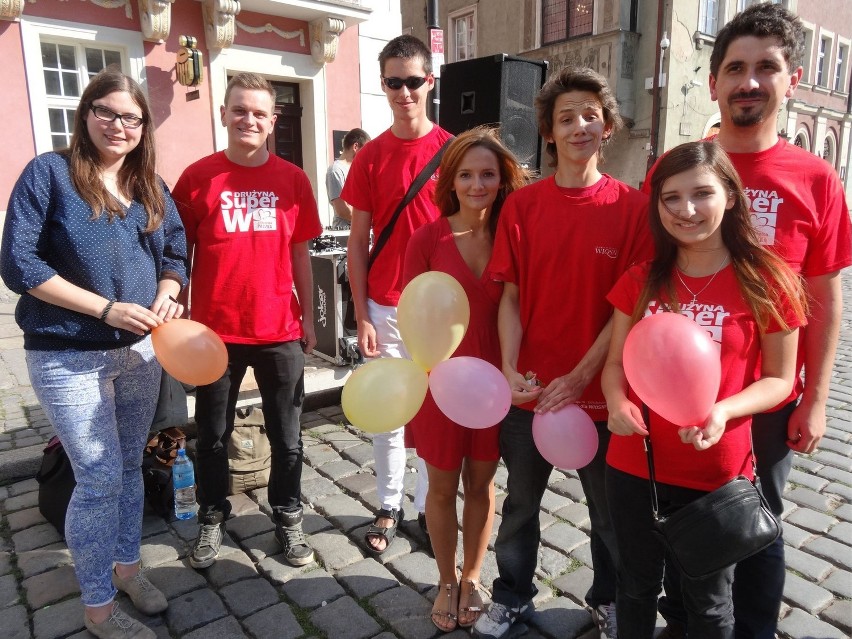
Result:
<point x="500" y="90"/>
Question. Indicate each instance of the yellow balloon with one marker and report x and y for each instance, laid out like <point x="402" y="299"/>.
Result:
<point x="384" y="394"/>
<point x="433" y="314"/>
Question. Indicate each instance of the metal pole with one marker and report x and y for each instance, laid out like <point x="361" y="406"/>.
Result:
<point x="434" y="106"/>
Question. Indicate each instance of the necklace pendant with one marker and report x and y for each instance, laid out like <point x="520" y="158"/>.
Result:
<point x="694" y="300"/>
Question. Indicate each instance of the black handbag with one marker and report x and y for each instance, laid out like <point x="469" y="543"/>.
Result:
<point x="55" y="484"/>
<point x="716" y="530"/>
<point x="349" y="321"/>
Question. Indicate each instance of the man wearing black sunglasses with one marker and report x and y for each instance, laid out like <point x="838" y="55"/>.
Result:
<point x="378" y="180"/>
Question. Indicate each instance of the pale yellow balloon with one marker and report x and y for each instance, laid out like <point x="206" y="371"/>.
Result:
<point x="432" y="314"/>
<point x="384" y="394"/>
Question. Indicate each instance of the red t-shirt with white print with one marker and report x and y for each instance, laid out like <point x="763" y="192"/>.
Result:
<point x="241" y="222"/>
<point x="722" y="311"/>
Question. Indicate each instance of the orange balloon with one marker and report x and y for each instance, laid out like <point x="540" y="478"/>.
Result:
<point x="190" y="352"/>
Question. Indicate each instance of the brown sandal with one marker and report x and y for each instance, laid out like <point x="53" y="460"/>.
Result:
<point x="452" y="607"/>
<point x="474" y="603"/>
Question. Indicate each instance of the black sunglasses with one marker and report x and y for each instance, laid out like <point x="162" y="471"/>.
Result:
<point x="412" y="82"/>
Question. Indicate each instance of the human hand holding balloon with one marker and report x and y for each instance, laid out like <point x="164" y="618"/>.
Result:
<point x="166" y="307"/>
<point x="132" y="317"/>
<point x="561" y="391"/>
<point x="625" y="418"/>
<point x="710" y="433"/>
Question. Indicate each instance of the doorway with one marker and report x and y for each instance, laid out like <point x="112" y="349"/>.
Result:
<point x="286" y="140"/>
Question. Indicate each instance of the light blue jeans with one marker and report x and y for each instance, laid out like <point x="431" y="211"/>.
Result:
<point x="101" y="404"/>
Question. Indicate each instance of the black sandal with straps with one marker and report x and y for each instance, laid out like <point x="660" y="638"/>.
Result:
<point x="383" y="532"/>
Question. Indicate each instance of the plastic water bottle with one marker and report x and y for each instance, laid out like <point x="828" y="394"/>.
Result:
<point x="183" y="477"/>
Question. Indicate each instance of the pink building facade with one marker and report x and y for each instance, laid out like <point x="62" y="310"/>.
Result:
<point x="313" y="52"/>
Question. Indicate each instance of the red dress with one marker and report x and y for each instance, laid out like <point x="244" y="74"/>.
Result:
<point x="438" y="440"/>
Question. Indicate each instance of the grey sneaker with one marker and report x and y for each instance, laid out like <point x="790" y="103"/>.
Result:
<point x="144" y="595"/>
<point x="288" y="532"/>
<point x="118" y="626"/>
<point x="207" y="545"/>
<point x="496" y="622"/>
<point x="604" y="617"/>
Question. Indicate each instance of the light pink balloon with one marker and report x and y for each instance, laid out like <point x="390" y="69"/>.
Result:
<point x="674" y="367"/>
<point x="567" y="438"/>
<point x="470" y="391"/>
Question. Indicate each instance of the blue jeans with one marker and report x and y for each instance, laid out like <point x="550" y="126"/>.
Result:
<point x="758" y="580"/>
<point x="101" y="404"/>
<point x="520" y="530"/>
<point x="279" y="370"/>
<point x="640" y="577"/>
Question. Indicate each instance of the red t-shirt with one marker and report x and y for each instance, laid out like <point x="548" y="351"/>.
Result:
<point x="242" y="222"/>
<point x="438" y="440"/>
<point x="565" y="249"/>
<point x="723" y="312"/>
<point x="378" y="179"/>
<point x="798" y="207"/>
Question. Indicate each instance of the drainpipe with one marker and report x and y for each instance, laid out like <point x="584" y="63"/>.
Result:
<point x="663" y="41"/>
<point x="433" y="28"/>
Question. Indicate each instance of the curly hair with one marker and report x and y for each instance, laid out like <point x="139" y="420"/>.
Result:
<point x="762" y="20"/>
<point x="574" y="79"/>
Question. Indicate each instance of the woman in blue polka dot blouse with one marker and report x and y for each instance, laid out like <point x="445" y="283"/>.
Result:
<point x="96" y="249"/>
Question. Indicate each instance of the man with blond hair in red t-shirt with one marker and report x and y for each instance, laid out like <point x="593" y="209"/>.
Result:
<point x="248" y="216"/>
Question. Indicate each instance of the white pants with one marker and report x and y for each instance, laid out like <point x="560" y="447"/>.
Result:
<point x="389" y="448"/>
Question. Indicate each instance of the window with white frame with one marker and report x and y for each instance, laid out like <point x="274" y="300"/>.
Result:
<point x="563" y="19"/>
<point x="463" y="34"/>
<point x="60" y="59"/>
<point x="708" y="17"/>
<point x="823" y="69"/>
<point x="841" y="67"/>
<point x="808" y="56"/>
<point x="67" y="68"/>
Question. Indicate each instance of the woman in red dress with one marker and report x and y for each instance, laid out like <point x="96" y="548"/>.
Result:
<point x="476" y="174"/>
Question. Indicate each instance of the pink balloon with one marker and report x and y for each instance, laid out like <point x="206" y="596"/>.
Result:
<point x="567" y="438"/>
<point x="470" y="391"/>
<point x="674" y="367"/>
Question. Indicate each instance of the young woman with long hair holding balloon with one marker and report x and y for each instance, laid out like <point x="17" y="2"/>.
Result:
<point x="94" y="246"/>
<point x="709" y="266"/>
<point x="476" y="174"/>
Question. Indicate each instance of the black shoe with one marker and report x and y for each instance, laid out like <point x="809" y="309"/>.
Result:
<point x="207" y="545"/>
<point x="288" y="532"/>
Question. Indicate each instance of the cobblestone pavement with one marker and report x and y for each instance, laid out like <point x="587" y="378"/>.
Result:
<point x="252" y="592"/>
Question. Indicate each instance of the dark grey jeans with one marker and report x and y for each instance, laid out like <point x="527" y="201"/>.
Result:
<point x="520" y="531"/>
<point x="279" y="370"/>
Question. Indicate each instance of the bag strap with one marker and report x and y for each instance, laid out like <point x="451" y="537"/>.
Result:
<point x="421" y="179"/>
<point x="649" y="453"/>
